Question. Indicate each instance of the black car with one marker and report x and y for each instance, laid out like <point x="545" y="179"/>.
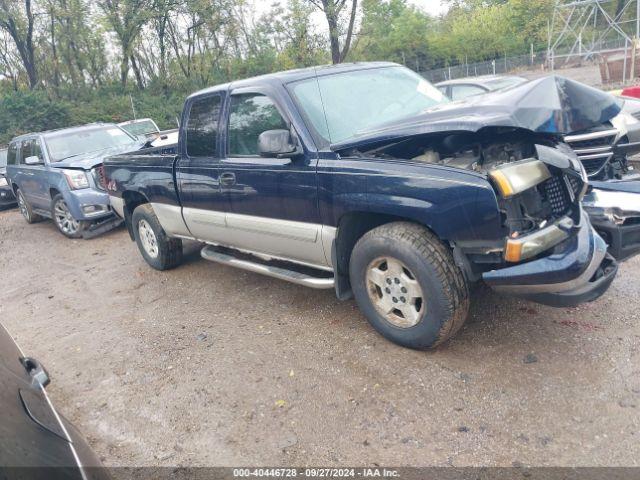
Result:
<point x="7" y="199"/>
<point x="35" y="440"/>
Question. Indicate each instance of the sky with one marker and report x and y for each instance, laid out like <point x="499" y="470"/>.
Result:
<point x="432" y="7"/>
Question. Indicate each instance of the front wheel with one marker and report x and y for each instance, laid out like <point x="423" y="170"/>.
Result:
<point x="408" y="286"/>
<point x="159" y="250"/>
<point x="64" y="220"/>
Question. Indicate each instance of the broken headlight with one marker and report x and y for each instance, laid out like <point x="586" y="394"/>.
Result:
<point x="514" y="178"/>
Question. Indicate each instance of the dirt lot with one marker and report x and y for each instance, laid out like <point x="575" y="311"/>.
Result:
<point x="206" y="365"/>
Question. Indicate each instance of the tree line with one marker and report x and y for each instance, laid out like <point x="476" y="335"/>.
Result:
<point x="85" y="60"/>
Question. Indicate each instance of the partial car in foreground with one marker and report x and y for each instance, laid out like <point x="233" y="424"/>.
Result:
<point x="7" y="198"/>
<point x="36" y="441"/>
<point x="364" y="178"/>
<point x="58" y="175"/>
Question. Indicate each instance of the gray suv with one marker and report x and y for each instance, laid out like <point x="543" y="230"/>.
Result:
<point x="58" y="175"/>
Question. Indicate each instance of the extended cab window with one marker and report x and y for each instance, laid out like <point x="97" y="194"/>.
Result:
<point x="250" y="115"/>
<point x="202" y="127"/>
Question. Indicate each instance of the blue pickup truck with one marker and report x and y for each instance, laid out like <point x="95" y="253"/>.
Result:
<point x="366" y="179"/>
<point x="58" y="175"/>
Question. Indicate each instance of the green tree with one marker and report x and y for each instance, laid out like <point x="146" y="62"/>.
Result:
<point x="126" y="19"/>
<point x="18" y="20"/>
<point x="334" y="11"/>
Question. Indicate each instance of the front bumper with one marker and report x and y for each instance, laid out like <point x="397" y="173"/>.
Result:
<point x="614" y="211"/>
<point x="578" y="270"/>
<point x="7" y="199"/>
<point x="88" y="204"/>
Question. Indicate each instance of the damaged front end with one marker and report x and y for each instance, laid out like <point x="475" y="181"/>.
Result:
<point x="544" y="247"/>
<point x="547" y="250"/>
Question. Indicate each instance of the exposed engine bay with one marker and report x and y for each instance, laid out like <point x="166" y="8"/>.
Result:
<point x="551" y="190"/>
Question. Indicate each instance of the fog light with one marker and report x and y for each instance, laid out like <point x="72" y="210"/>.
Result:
<point x="93" y="208"/>
<point x="518" y="249"/>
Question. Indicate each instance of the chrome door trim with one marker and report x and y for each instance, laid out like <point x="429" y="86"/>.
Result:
<point x="305" y="232"/>
<point x="299" y="242"/>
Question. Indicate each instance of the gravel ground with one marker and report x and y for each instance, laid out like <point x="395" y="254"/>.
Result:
<point x="207" y="365"/>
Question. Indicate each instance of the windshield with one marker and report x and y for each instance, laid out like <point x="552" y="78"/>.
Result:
<point x="140" y="128"/>
<point x="3" y="158"/>
<point x="72" y="143"/>
<point x="354" y="102"/>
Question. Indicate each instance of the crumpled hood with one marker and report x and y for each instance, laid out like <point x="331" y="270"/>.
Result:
<point x="552" y="104"/>
<point x="89" y="160"/>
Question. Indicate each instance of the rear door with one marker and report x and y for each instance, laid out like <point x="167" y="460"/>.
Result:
<point x="274" y="201"/>
<point x="198" y="169"/>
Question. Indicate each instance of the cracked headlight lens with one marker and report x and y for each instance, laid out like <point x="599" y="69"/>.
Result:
<point x="513" y="178"/>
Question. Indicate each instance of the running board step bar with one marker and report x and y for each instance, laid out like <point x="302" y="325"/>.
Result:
<point x="212" y="254"/>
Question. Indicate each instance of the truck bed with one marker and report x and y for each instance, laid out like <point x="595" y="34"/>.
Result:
<point x="150" y="172"/>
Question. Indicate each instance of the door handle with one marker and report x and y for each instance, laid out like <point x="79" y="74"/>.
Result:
<point x="36" y="370"/>
<point x="227" y="178"/>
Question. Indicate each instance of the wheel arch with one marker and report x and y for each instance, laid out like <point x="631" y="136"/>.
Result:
<point x="132" y="199"/>
<point x="351" y="227"/>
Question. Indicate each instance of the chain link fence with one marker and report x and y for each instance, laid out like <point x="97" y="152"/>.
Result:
<point x="564" y="57"/>
<point x="490" y="67"/>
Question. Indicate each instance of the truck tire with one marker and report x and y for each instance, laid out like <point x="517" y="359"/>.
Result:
<point x="407" y="284"/>
<point x="158" y="249"/>
<point x="63" y="219"/>
<point x="26" y="210"/>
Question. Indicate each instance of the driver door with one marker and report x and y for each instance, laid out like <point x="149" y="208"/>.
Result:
<point x="273" y="201"/>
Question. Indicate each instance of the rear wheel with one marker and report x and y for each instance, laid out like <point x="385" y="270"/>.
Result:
<point x="64" y="220"/>
<point x="158" y="249"/>
<point x="408" y="286"/>
<point x="25" y="209"/>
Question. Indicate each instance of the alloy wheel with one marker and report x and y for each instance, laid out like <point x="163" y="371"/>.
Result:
<point x="22" y="204"/>
<point x="63" y="218"/>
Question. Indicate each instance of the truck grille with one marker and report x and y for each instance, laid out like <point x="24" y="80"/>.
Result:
<point x="557" y="195"/>
<point x="99" y="178"/>
<point x="594" y="149"/>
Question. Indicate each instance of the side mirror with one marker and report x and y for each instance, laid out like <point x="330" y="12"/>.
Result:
<point x="32" y="160"/>
<point x="278" y="144"/>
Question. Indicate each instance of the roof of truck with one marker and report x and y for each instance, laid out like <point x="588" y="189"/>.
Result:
<point x="287" y="76"/>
